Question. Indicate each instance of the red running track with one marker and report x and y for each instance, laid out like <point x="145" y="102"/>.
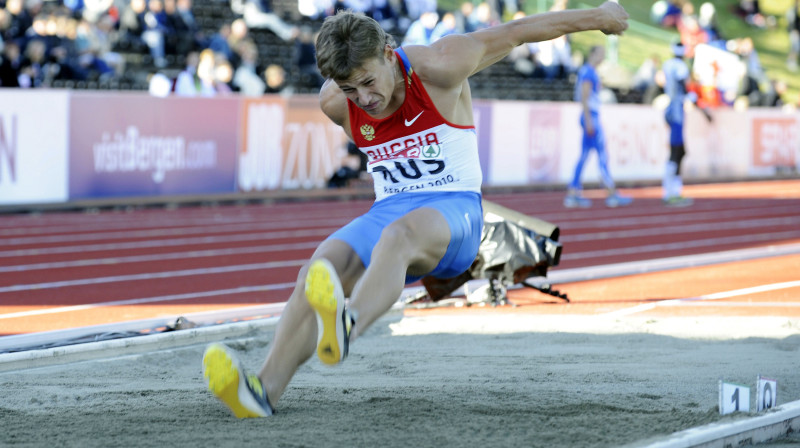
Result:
<point x="68" y="269"/>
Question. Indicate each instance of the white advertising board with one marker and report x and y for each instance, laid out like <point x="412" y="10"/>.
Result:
<point x="33" y="146"/>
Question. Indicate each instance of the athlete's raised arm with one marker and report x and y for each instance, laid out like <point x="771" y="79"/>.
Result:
<point x="450" y="60"/>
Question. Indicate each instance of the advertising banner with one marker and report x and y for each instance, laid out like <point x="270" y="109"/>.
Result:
<point x="540" y="142"/>
<point x="288" y="144"/>
<point x="137" y="145"/>
<point x="775" y="141"/>
<point x="33" y="146"/>
<point x="545" y="145"/>
<point x="637" y="141"/>
<point x="482" y="112"/>
<point x="529" y="142"/>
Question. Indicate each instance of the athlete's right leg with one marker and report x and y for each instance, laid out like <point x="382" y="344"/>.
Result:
<point x="574" y="198"/>
<point x="602" y="159"/>
<point x="296" y="335"/>
<point x="586" y="147"/>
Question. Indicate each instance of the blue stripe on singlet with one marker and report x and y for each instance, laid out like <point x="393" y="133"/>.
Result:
<point x="404" y="58"/>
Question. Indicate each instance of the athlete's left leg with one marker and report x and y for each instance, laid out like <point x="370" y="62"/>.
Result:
<point x="602" y="158"/>
<point x="441" y="238"/>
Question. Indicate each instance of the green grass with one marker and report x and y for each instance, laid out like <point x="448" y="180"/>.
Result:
<point x="644" y="38"/>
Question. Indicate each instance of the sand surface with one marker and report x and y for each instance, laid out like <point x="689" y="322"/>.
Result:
<point x="471" y="380"/>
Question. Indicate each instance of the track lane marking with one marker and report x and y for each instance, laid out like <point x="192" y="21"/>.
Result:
<point x="713" y="296"/>
<point x="173" y="242"/>
<point x="153" y="275"/>
<point x="146" y="300"/>
<point x="159" y="257"/>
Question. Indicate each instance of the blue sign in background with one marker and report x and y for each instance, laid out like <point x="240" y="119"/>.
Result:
<point x="141" y="146"/>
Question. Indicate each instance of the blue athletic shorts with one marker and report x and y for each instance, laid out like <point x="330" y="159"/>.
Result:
<point x="676" y="134"/>
<point x="464" y="214"/>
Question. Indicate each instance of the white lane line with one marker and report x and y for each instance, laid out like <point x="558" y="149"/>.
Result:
<point x="159" y="257"/>
<point x="172" y="242"/>
<point x="706" y="242"/>
<point x="635" y="221"/>
<point x="141" y="301"/>
<point x="743" y="304"/>
<point x="743" y="239"/>
<point x="156" y="233"/>
<point x="671" y="229"/>
<point x="662" y="264"/>
<point x="714" y="296"/>
<point x="153" y="275"/>
<point x="142" y="222"/>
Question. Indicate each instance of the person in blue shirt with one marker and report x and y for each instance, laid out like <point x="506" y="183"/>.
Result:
<point x="587" y="92"/>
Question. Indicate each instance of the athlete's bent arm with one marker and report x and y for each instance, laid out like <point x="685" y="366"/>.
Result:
<point x="448" y="61"/>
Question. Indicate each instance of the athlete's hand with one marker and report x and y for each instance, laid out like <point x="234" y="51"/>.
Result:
<point x="707" y="114"/>
<point x="615" y="18"/>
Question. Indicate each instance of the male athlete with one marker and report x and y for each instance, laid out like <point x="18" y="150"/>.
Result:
<point x="676" y="77"/>
<point x="410" y="111"/>
<point x="587" y="92"/>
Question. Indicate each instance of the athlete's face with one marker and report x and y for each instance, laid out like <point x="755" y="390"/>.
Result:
<point x="371" y="86"/>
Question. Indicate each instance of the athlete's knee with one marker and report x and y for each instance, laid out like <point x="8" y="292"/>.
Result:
<point x="345" y="261"/>
<point x="397" y="235"/>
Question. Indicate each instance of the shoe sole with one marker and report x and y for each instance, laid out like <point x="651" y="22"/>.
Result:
<point x="618" y="204"/>
<point x="679" y="204"/>
<point x="227" y="382"/>
<point x="578" y="204"/>
<point x="324" y="294"/>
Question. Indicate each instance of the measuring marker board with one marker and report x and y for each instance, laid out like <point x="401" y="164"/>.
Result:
<point x="766" y="393"/>
<point x="733" y="398"/>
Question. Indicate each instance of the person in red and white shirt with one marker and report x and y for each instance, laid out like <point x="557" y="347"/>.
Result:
<point x="410" y="111"/>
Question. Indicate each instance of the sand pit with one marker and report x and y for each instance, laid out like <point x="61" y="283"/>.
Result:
<point x="478" y="380"/>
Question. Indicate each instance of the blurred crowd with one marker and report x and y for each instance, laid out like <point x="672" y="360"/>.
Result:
<point x="726" y="70"/>
<point x="46" y="41"/>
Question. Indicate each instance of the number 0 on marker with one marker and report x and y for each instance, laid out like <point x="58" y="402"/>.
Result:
<point x="766" y="393"/>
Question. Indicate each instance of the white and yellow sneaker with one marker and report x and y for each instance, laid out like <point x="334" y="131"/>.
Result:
<point x="334" y="323"/>
<point x="243" y="393"/>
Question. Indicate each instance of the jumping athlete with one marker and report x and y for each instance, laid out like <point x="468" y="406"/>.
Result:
<point x="410" y="111"/>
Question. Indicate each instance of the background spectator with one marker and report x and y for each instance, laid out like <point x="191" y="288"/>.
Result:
<point x="259" y="14"/>
<point x="185" y="34"/>
<point x="793" y="20"/>
<point x="421" y="30"/>
<point x="275" y="77"/>
<point x="666" y="13"/>
<point x="10" y="61"/>
<point x="445" y="27"/>
<point x="246" y="79"/>
<point x="304" y="58"/>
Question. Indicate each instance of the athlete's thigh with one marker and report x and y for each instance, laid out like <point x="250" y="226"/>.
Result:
<point x="425" y="236"/>
<point x="459" y="234"/>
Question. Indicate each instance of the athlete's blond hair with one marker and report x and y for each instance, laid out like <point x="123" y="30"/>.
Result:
<point x="346" y="41"/>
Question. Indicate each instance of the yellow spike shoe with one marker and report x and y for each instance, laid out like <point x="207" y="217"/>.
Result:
<point x="243" y="393"/>
<point x="334" y="323"/>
